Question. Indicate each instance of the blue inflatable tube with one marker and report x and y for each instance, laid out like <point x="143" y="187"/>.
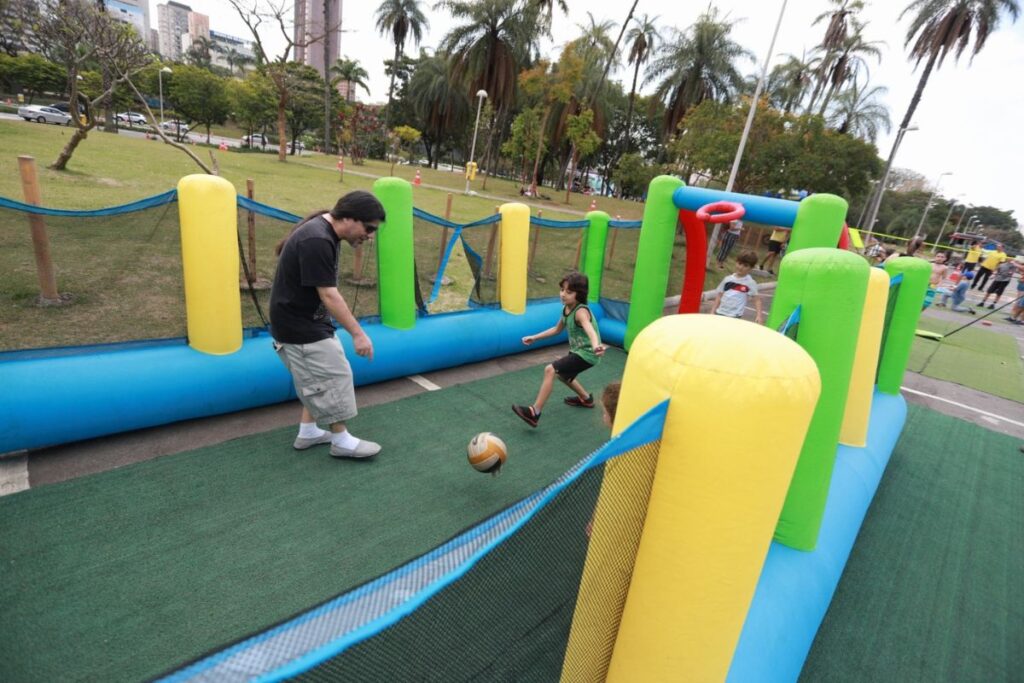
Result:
<point x="796" y="588"/>
<point x="101" y="390"/>
<point x="767" y="210"/>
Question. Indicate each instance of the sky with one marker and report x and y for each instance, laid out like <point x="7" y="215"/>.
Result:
<point x="968" y="120"/>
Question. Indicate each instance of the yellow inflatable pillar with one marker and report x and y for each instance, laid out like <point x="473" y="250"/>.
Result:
<point x="676" y="612"/>
<point x="515" y="243"/>
<point x="209" y="257"/>
<point x="854" y="431"/>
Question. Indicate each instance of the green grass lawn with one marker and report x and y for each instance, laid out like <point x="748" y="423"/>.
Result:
<point x="125" y="273"/>
<point x="975" y="357"/>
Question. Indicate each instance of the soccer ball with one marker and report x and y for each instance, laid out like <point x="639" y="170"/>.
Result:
<point x="487" y="453"/>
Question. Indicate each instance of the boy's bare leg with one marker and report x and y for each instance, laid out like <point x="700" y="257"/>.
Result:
<point x="545" y="388"/>
<point x="578" y="388"/>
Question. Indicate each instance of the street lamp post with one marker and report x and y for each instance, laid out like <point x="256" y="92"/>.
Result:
<point x="481" y="95"/>
<point x="928" y="206"/>
<point x="880" y="190"/>
<point x="970" y="222"/>
<point x="938" y="240"/>
<point x="160" y="81"/>
<point x="746" y="127"/>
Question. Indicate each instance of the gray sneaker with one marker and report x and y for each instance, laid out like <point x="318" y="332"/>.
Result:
<point x="365" y="449"/>
<point x="302" y="444"/>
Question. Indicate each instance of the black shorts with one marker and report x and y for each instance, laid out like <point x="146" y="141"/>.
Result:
<point x="968" y="267"/>
<point x="569" y="366"/>
<point x="774" y="247"/>
<point x="998" y="288"/>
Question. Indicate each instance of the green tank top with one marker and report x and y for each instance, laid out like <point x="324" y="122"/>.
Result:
<point x="579" y="342"/>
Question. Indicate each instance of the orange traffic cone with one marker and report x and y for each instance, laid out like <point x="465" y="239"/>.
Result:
<point x="416" y="180"/>
<point x="593" y="205"/>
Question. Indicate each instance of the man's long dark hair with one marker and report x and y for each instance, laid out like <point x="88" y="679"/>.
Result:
<point x="358" y="205"/>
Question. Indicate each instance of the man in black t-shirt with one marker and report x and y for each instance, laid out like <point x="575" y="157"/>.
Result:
<point x="303" y="300"/>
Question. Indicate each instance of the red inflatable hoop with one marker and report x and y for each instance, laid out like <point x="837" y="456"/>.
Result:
<point x="721" y="212"/>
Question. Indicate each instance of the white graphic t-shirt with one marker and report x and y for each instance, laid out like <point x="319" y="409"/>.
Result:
<point x="735" y="292"/>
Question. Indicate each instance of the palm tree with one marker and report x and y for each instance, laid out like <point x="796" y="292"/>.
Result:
<point x="489" y="49"/>
<point x="835" y="33"/>
<point x="856" y="112"/>
<point x="235" y="58"/>
<point x="350" y="72"/>
<point x="944" y="26"/>
<point x="848" y="61"/>
<point x="788" y="82"/>
<point x="440" y="105"/>
<point x="643" y="40"/>
<point x="696" y="65"/>
<point x="399" y="18"/>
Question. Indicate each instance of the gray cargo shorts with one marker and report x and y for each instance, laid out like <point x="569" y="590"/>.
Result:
<point x="322" y="377"/>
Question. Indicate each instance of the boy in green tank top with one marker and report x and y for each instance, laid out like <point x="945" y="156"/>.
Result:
<point x="585" y="349"/>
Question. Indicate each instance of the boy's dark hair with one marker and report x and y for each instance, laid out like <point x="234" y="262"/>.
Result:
<point x="610" y="398"/>
<point x="578" y="283"/>
<point x="747" y="258"/>
<point x="358" y="205"/>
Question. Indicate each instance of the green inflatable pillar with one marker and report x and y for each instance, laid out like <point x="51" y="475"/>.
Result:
<point x="395" y="265"/>
<point x="830" y="286"/>
<point x="595" y="237"/>
<point x="899" y="336"/>
<point x="653" y="256"/>
<point x="819" y="222"/>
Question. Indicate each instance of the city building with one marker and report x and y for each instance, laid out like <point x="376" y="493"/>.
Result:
<point x="134" y="13"/>
<point x="312" y="32"/>
<point x="231" y="53"/>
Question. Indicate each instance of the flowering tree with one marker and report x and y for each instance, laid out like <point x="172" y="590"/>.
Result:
<point x="359" y="131"/>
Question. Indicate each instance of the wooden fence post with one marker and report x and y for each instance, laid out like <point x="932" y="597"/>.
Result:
<point x="40" y="241"/>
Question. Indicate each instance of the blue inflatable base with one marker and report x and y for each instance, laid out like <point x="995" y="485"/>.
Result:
<point x="101" y="390"/>
<point x="796" y="588"/>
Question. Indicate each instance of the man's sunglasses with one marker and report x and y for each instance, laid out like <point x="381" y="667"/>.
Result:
<point x="370" y="229"/>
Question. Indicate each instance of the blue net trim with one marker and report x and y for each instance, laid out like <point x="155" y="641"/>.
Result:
<point x="629" y="225"/>
<point x="140" y="205"/>
<point x="549" y="223"/>
<point x="793" y="319"/>
<point x="896" y="280"/>
<point x="437" y="220"/>
<point x="267" y="210"/>
<point x="331" y="628"/>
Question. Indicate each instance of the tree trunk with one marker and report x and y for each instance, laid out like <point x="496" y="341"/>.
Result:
<point x="490" y="141"/>
<point x="391" y="89"/>
<point x="572" y="173"/>
<point x="540" y="148"/>
<point x="65" y="154"/>
<point x="629" y="110"/>
<point x="282" y="132"/>
<point x="109" y="117"/>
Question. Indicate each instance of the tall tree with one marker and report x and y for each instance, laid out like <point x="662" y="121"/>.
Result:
<point x="79" y="34"/>
<point x="200" y="96"/>
<point x="855" y="111"/>
<point x="253" y="14"/>
<point x="439" y="104"/>
<point x="352" y="73"/>
<point x="849" y="61"/>
<point x="697" y="64"/>
<point x="399" y="19"/>
<point x="789" y="82"/>
<point x="838" y="20"/>
<point x="643" y="39"/>
<point x="489" y="47"/>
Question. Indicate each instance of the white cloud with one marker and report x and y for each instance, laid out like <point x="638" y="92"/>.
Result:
<point x="968" y="117"/>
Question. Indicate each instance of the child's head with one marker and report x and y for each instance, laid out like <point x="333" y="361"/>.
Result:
<point x="578" y="284"/>
<point x="610" y="402"/>
<point x="941" y="257"/>
<point x="746" y="261"/>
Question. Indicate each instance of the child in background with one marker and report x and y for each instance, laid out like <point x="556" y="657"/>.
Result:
<point x="1017" y="314"/>
<point x="585" y="349"/>
<point x="947" y="287"/>
<point x="960" y="293"/>
<point x="734" y="290"/>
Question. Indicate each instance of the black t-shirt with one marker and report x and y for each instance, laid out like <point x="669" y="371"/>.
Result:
<point x="309" y="260"/>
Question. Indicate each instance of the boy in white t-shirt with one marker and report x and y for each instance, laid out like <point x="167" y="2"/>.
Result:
<point x="735" y="290"/>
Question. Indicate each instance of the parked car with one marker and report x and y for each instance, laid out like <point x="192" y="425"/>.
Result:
<point x="132" y="118"/>
<point x="179" y="128"/>
<point x="255" y="140"/>
<point x="35" y="112"/>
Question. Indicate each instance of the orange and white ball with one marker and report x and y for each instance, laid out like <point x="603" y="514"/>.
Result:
<point x="487" y="453"/>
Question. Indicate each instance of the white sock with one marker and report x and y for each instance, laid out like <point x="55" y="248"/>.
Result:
<point x="309" y="430"/>
<point x="344" y="440"/>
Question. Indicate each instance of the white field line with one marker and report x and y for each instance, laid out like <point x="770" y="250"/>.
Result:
<point x="13" y="475"/>
<point x="963" y="405"/>
<point x="424" y="382"/>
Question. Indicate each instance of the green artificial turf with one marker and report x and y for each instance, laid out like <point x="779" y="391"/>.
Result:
<point x="119" y="576"/>
<point x="975" y="357"/>
<point x="933" y="589"/>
